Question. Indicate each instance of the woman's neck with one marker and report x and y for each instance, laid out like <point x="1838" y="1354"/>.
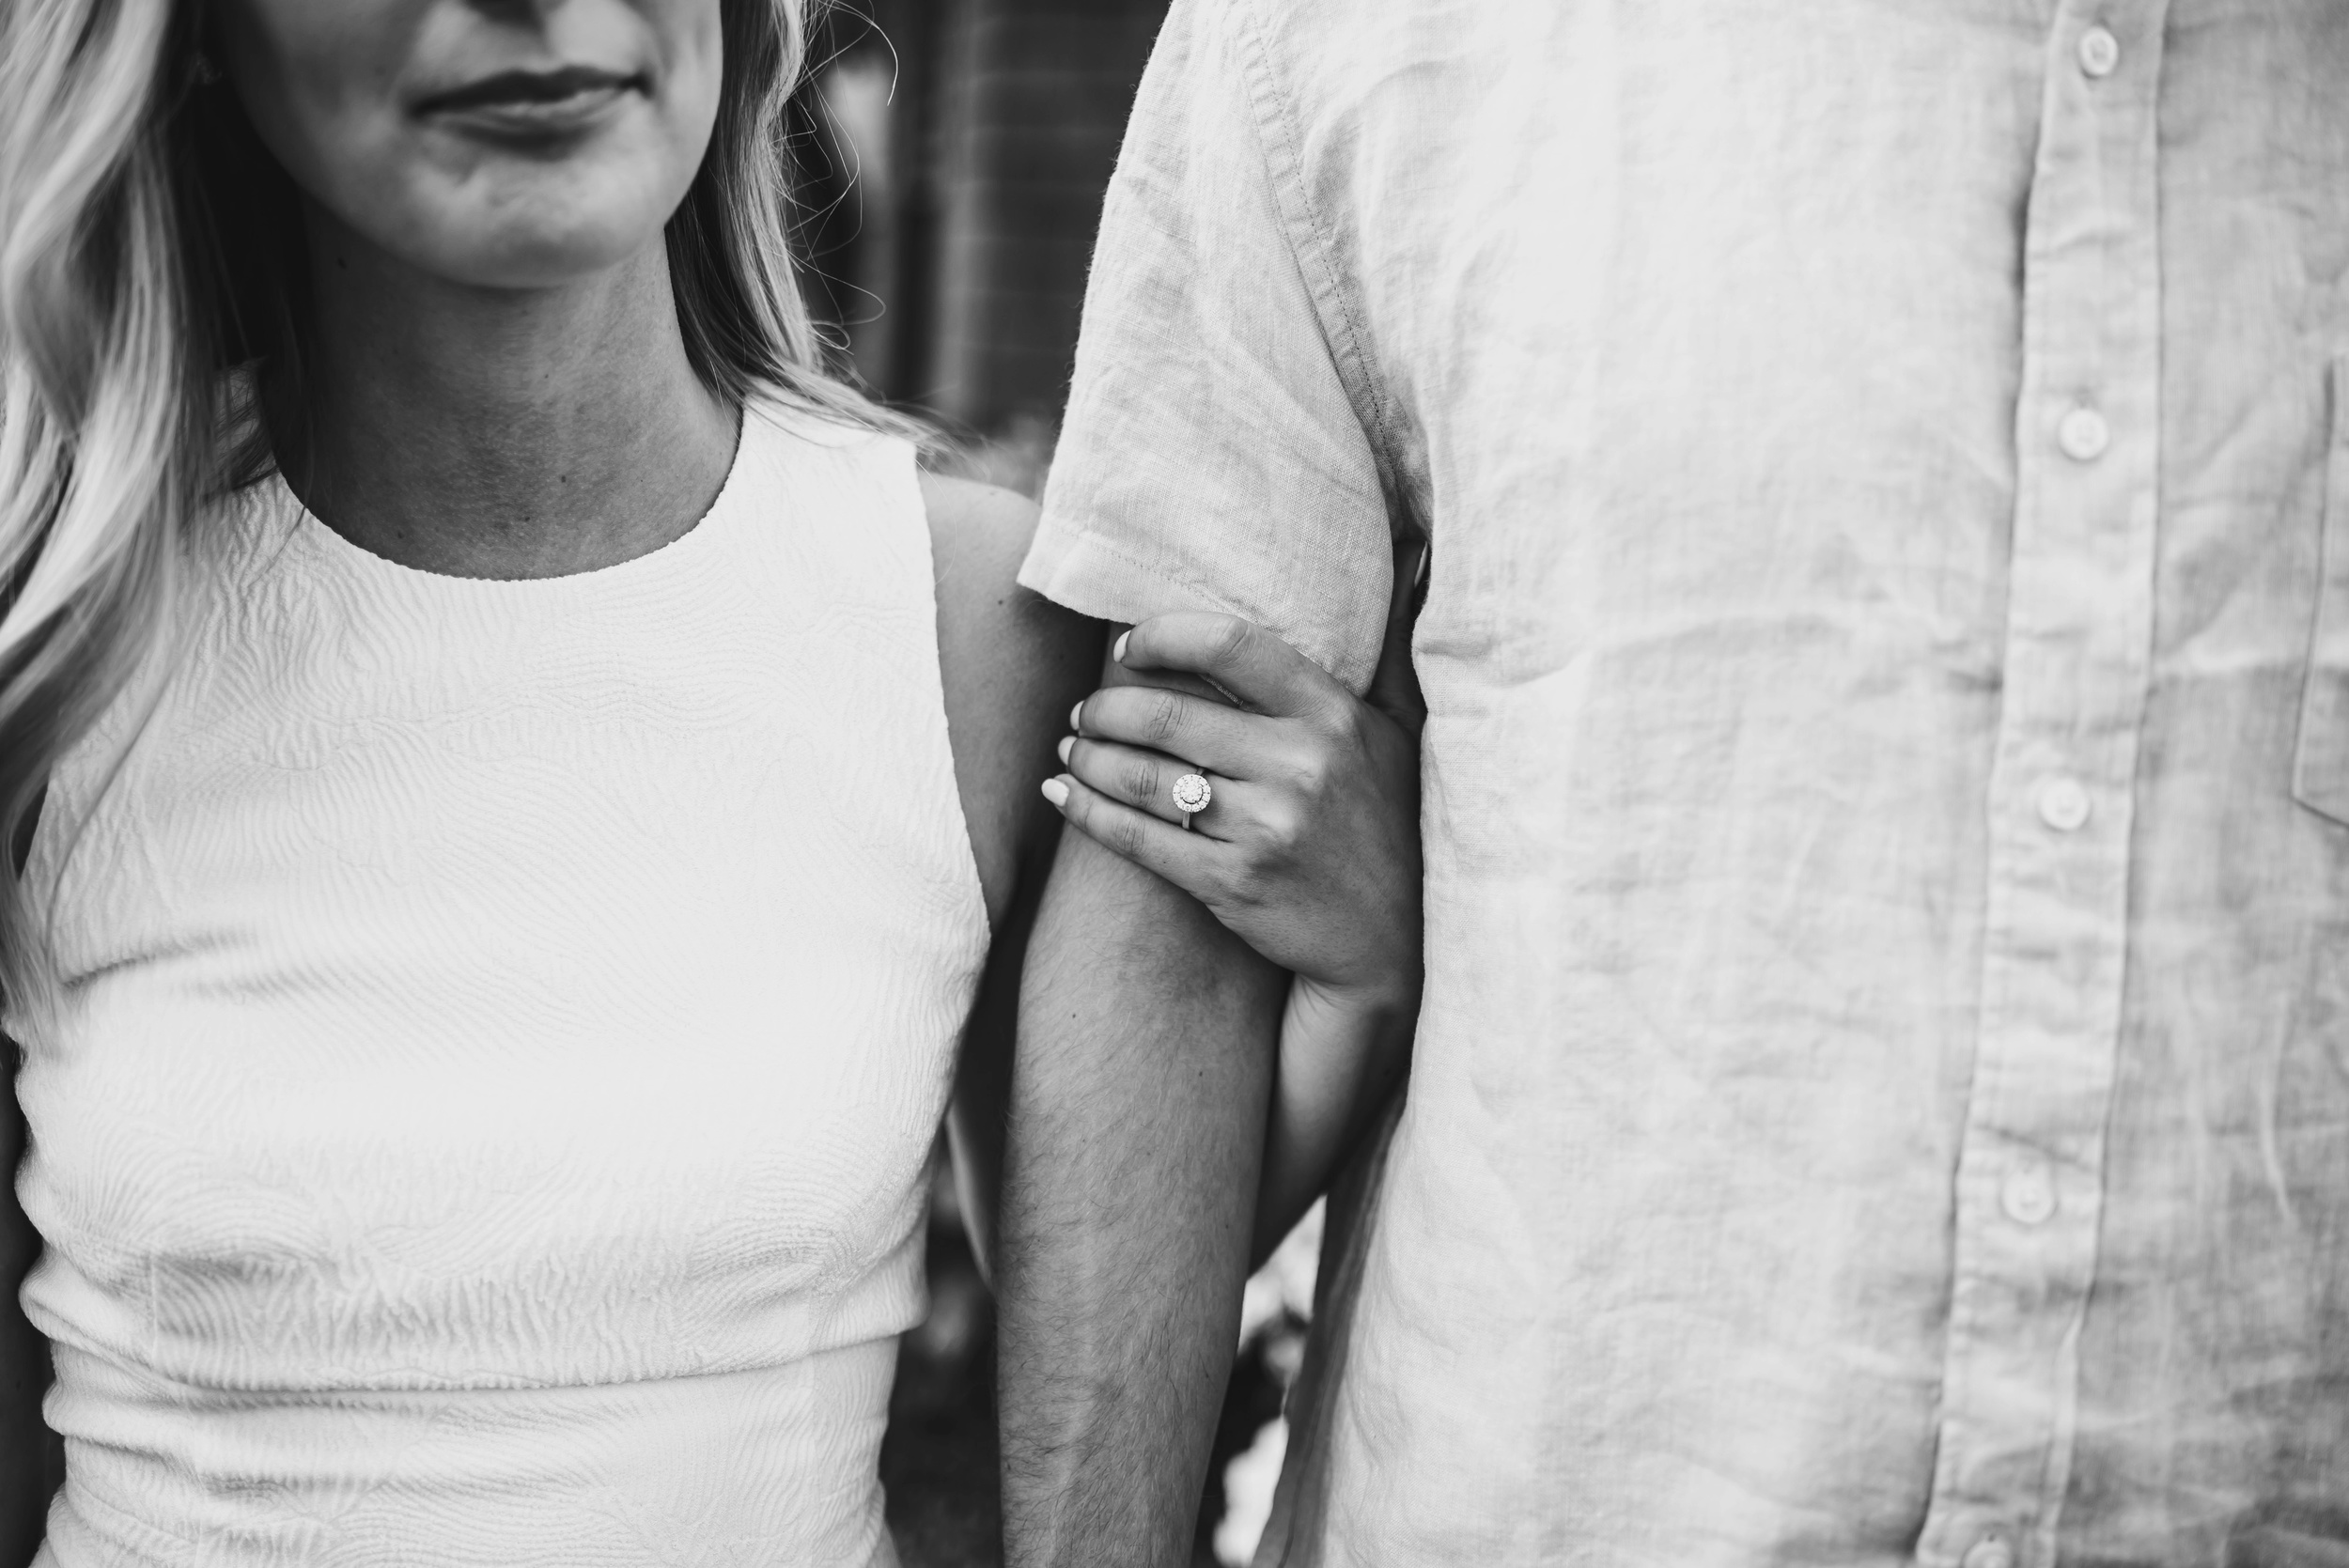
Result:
<point x="502" y="433"/>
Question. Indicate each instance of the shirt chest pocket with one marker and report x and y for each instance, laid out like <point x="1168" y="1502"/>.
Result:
<point x="2320" y="764"/>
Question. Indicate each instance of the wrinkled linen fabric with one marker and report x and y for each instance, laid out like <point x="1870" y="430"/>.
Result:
<point x="492" y="1039"/>
<point x="1882" y="1088"/>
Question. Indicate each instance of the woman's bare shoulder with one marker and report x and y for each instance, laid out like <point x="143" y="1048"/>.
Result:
<point x="1013" y="664"/>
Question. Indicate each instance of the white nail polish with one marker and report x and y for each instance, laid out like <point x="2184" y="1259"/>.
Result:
<point x="1118" y="653"/>
<point x="1076" y="717"/>
<point x="1068" y="744"/>
<point x="1056" y="792"/>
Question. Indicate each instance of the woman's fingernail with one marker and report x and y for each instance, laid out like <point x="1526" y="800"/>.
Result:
<point x="1068" y="744"/>
<point x="1076" y="717"/>
<point x="1118" y="652"/>
<point x="1056" y="792"/>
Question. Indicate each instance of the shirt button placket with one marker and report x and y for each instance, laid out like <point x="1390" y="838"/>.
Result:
<point x="2079" y="624"/>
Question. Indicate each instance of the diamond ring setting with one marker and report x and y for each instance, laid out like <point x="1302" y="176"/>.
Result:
<point x="1191" y="795"/>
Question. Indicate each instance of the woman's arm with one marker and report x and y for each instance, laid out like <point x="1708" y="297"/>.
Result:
<point x="1010" y="662"/>
<point x="1308" y="850"/>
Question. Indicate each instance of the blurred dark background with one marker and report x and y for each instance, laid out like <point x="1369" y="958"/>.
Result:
<point x="951" y="156"/>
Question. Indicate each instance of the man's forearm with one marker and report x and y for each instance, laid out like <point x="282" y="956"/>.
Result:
<point x="1147" y="1046"/>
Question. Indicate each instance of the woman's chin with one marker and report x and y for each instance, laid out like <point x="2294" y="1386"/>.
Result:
<point x="521" y="255"/>
<point x="546" y="262"/>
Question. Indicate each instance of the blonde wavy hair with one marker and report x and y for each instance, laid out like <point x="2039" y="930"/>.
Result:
<point x="149" y="246"/>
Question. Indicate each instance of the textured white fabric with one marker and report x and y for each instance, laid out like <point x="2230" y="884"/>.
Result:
<point x="497" y="1035"/>
<point x="1882" y="1089"/>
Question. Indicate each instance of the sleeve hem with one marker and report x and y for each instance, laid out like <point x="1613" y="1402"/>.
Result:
<point x="1079" y="569"/>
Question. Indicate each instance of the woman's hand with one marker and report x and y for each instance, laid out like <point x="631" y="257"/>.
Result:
<point x="1308" y="848"/>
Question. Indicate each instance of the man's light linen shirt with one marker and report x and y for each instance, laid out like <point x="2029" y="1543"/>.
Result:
<point x="1883" y="1092"/>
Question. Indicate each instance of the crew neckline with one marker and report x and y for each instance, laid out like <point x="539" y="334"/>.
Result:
<point x="672" y="552"/>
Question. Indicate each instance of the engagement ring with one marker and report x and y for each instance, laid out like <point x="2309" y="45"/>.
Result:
<point x="1192" y="795"/>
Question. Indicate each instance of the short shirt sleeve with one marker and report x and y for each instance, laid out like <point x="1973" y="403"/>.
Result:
<point x="1213" y="456"/>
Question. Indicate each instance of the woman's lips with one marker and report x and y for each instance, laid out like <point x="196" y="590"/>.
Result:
<point x="532" y="103"/>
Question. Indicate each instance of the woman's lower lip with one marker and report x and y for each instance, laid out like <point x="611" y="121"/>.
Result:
<point x="536" y="119"/>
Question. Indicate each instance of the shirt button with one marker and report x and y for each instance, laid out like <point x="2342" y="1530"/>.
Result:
<point x="2083" y="434"/>
<point x="2063" y="805"/>
<point x="2027" y="1194"/>
<point x="2099" y="50"/>
<point x="1989" y="1552"/>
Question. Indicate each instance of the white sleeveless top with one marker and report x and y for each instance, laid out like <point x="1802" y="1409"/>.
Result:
<point x="495" y="1034"/>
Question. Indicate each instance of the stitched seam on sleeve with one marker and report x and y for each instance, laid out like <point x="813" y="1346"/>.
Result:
<point x="1280" y="143"/>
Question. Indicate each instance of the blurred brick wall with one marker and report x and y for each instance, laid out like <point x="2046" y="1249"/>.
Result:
<point x="1034" y="100"/>
<point x="960" y="254"/>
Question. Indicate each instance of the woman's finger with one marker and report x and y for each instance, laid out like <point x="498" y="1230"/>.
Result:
<point x="1145" y="781"/>
<point x="1207" y="734"/>
<point x="1240" y="657"/>
<point x="1186" y="860"/>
